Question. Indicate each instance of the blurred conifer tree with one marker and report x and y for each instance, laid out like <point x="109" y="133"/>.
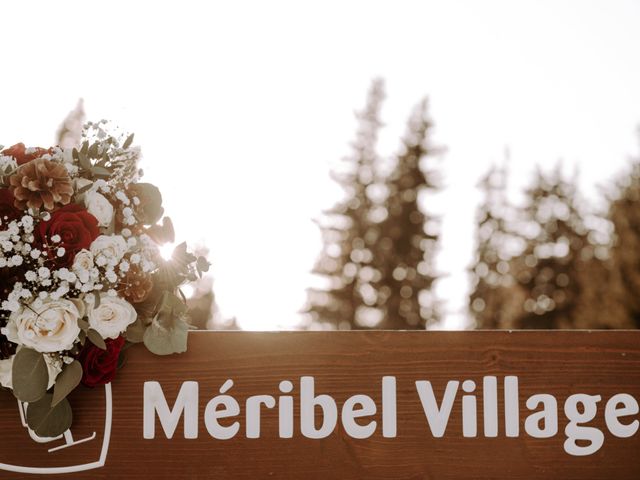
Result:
<point x="494" y="301"/>
<point x="551" y="269"/>
<point x="624" y="213"/>
<point x="405" y="252"/>
<point x="345" y="263"/>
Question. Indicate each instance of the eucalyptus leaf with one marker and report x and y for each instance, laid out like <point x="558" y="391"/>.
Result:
<point x="66" y="382"/>
<point x="167" y="338"/>
<point x="47" y="421"/>
<point x="29" y="375"/>
<point x="96" y="339"/>
<point x="152" y="210"/>
<point x="135" y="331"/>
<point x="202" y="264"/>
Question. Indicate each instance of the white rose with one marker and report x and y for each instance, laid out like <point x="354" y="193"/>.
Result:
<point x="83" y="261"/>
<point x="53" y="367"/>
<point x="110" y="247"/>
<point x="49" y="327"/>
<point x="98" y="206"/>
<point x="111" y="317"/>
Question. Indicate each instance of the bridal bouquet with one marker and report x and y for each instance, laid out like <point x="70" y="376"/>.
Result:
<point x="81" y="275"/>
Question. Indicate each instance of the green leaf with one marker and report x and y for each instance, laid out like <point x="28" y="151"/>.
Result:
<point x="152" y="210"/>
<point x="96" y="299"/>
<point x="105" y="159"/>
<point x="100" y="171"/>
<point x="84" y="162"/>
<point x="93" y="150"/>
<point x="29" y="375"/>
<point x="202" y="265"/>
<point x="96" y="339"/>
<point x="83" y="324"/>
<point x="135" y="331"/>
<point x="46" y="421"/>
<point x="128" y="142"/>
<point x="162" y="233"/>
<point x="84" y="189"/>
<point x="167" y="337"/>
<point x="66" y="382"/>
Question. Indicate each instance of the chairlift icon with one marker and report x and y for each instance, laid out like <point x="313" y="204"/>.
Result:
<point x="68" y="441"/>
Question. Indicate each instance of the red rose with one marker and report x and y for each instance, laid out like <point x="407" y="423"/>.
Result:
<point x="19" y="153"/>
<point x="76" y="228"/>
<point x="99" y="366"/>
<point x="8" y="212"/>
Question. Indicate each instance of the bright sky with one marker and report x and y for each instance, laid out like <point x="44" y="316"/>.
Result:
<point x="242" y="108"/>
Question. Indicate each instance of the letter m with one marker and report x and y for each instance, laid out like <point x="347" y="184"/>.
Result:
<point x="155" y="401"/>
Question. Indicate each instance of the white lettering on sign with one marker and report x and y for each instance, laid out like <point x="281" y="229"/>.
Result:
<point x="154" y="401"/>
<point x="437" y="417"/>
<point x="360" y="418"/>
<point x="612" y="413"/>
<point x="574" y="431"/>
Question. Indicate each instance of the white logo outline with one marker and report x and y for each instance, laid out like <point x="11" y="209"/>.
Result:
<point x="74" y="468"/>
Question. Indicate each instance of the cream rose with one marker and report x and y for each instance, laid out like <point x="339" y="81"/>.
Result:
<point x="83" y="261"/>
<point x="111" y="317"/>
<point x="83" y="265"/>
<point x="108" y="249"/>
<point x="6" y="365"/>
<point x="53" y="327"/>
<point x="98" y="206"/>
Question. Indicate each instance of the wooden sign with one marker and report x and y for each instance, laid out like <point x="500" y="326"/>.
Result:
<point x="352" y="405"/>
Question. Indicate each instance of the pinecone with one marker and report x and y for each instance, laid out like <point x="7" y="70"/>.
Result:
<point x="41" y="183"/>
<point x="136" y="285"/>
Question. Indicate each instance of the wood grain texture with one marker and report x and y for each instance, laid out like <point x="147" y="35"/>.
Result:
<point x="344" y="364"/>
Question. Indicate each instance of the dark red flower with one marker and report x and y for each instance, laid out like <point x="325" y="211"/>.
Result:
<point x="8" y="212"/>
<point x="99" y="366"/>
<point x="76" y="228"/>
<point x="19" y="153"/>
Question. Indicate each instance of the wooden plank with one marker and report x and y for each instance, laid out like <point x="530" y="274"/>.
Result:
<point x="344" y="364"/>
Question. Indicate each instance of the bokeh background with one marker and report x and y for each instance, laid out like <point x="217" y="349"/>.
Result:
<point x="508" y="199"/>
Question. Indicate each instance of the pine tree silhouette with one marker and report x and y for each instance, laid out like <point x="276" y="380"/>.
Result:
<point x="624" y="213"/>
<point x="405" y="253"/>
<point x="550" y="269"/>
<point x="495" y="299"/>
<point x="345" y="264"/>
